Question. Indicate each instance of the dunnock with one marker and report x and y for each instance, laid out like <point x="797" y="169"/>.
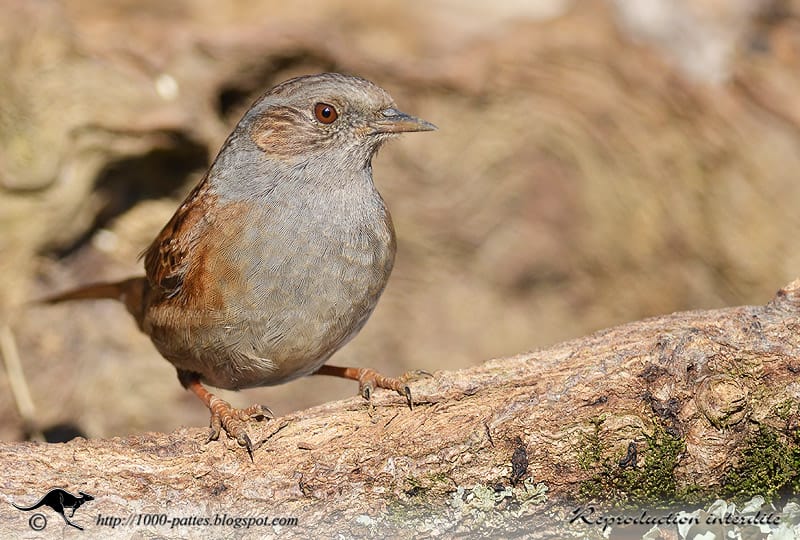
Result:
<point x="278" y="256"/>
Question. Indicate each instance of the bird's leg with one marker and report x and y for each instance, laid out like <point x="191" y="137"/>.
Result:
<point x="369" y="379"/>
<point x="223" y="415"/>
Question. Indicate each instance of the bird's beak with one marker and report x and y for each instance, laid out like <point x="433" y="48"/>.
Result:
<point x="394" y="121"/>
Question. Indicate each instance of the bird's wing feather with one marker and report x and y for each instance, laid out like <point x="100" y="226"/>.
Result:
<point x="168" y="258"/>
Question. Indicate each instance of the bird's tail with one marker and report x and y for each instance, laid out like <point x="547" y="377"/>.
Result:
<point x="94" y="291"/>
<point x="129" y="291"/>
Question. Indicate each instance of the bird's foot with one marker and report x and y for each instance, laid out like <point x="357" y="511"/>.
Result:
<point x="223" y="416"/>
<point x="234" y="421"/>
<point x="369" y="379"/>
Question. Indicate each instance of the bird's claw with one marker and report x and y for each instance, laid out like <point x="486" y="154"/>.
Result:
<point x="215" y="428"/>
<point x="371" y="379"/>
<point x="232" y="421"/>
<point x="366" y="390"/>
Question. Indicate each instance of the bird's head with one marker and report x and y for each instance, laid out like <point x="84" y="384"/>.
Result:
<point x="333" y="117"/>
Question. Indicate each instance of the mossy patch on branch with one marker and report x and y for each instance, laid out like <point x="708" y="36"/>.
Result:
<point x="590" y="446"/>
<point x="653" y="483"/>
<point x="769" y="466"/>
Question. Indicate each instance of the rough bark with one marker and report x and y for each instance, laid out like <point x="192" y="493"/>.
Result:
<point x="693" y="395"/>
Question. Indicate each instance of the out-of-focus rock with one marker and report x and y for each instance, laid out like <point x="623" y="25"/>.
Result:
<point x="70" y="120"/>
<point x="702" y="37"/>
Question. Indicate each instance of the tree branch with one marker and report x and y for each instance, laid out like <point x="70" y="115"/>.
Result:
<point x="675" y="408"/>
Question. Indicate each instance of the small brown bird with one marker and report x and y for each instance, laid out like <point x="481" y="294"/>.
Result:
<point x="278" y="256"/>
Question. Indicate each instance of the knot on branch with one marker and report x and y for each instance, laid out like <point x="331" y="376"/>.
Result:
<point x="722" y="400"/>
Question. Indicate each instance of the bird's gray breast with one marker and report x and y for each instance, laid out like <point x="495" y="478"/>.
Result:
<point x="313" y="267"/>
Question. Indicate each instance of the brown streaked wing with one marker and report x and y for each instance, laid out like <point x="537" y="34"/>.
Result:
<point x="167" y="259"/>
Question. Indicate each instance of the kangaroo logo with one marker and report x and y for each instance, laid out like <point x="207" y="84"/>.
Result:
<point x="59" y="500"/>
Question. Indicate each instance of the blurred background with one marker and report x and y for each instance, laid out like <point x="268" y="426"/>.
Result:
<point x="596" y="162"/>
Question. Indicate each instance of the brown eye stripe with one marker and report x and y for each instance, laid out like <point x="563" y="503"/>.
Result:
<point x="325" y="113"/>
<point x="284" y="132"/>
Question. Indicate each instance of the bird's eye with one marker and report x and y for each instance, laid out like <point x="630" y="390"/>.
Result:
<point x="325" y="113"/>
